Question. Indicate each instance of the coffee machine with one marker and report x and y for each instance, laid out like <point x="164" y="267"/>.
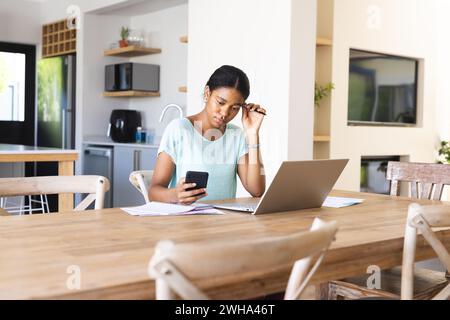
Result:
<point x="123" y="125"/>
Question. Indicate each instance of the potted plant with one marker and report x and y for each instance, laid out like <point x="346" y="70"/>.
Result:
<point x="321" y="92"/>
<point x="124" y="34"/>
<point x="444" y="152"/>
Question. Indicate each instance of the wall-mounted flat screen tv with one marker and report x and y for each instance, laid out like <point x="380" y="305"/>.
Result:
<point x="382" y="89"/>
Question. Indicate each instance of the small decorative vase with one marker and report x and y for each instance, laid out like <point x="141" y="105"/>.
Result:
<point x="123" y="43"/>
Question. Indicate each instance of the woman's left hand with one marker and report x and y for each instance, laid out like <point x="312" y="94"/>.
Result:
<point x="251" y="119"/>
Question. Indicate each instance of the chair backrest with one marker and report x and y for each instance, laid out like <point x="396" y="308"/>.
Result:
<point x="426" y="180"/>
<point x="423" y="219"/>
<point x="94" y="186"/>
<point x="141" y="180"/>
<point x="176" y="267"/>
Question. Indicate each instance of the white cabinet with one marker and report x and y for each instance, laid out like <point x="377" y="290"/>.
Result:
<point x="126" y="160"/>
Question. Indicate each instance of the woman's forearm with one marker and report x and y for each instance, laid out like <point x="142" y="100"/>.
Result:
<point x="256" y="180"/>
<point x="162" y="194"/>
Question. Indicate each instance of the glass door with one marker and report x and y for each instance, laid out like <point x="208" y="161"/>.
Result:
<point x="17" y="93"/>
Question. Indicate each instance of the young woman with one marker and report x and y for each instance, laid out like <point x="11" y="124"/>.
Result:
<point x="206" y="141"/>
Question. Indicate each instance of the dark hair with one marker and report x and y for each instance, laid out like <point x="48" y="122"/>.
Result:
<point x="230" y="77"/>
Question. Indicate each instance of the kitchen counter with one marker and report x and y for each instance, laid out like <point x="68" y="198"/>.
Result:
<point x="64" y="157"/>
<point x="102" y="140"/>
<point x="22" y="149"/>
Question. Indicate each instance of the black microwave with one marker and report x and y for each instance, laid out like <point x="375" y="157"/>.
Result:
<point x="132" y="76"/>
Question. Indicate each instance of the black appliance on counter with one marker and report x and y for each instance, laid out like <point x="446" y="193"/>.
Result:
<point x="123" y="125"/>
<point x="132" y="76"/>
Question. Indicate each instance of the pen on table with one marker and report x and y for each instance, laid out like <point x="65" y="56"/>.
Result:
<point x="245" y="106"/>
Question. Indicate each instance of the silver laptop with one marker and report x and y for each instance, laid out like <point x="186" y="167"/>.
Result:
<point x="297" y="185"/>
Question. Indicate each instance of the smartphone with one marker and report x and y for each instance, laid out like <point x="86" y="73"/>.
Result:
<point x="199" y="178"/>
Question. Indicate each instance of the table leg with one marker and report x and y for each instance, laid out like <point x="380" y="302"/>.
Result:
<point x="65" y="200"/>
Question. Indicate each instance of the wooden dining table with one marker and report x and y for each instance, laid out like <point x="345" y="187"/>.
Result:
<point x="104" y="254"/>
<point x="65" y="158"/>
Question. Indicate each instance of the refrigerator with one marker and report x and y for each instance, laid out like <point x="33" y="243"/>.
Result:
<point x="55" y="121"/>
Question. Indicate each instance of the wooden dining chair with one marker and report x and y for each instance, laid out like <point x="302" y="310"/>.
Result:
<point x="141" y="180"/>
<point x="94" y="186"/>
<point x="426" y="181"/>
<point x="423" y="219"/>
<point x="181" y="270"/>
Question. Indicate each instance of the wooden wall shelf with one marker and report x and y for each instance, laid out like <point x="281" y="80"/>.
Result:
<point x="321" y="138"/>
<point x="324" y="42"/>
<point x="182" y="89"/>
<point x="319" y="41"/>
<point x="131" y="94"/>
<point x="131" y="51"/>
<point x="58" y="39"/>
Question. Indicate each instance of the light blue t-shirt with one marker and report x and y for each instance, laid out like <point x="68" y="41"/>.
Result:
<point x="190" y="151"/>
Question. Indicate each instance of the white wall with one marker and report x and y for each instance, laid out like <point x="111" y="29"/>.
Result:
<point x="255" y="35"/>
<point x="302" y="73"/>
<point x="99" y="31"/>
<point x="442" y="8"/>
<point x="163" y="29"/>
<point x="92" y="109"/>
<point x="53" y="10"/>
<point x="20" y="21"/>
<point x="406" y="28"/>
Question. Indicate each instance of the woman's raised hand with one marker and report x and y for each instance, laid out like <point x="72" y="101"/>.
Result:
<point x="252" y="117"/>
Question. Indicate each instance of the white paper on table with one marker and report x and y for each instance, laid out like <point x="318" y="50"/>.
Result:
<point x="155" y="208"/>
<point x="203" y="211"/>
<point x="340" y="202"/>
